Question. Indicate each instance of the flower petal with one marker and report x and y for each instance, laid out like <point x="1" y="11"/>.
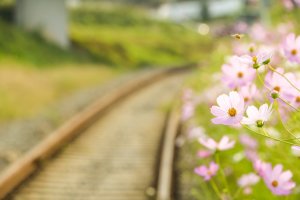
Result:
<point x="217" y="111"/>
<point x="224" y="102"/>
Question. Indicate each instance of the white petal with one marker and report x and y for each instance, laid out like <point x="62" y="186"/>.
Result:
<point x="285" y="176"/>
<point x="217" y="111"/>
<point x="248" y="121"/>
<point x="265" y="112"/>
<point x="224" y="102"/>
<point x="223" y="142"/>
<point x="252" y="112"/>
<point x="235" y="99"/>
<point x="209" y="143"/>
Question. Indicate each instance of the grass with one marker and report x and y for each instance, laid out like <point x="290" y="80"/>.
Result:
<point x="27" y="91"/>
<point x="35" y="73"/>
<point x="122" y="37"/>
<point x="30" y="49"/>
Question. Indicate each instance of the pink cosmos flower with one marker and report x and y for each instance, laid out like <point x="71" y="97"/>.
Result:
<point x="279" y="84"/>
<point x="248" y="141"/>
<point x="258" y="59"/>
<point x="288" y="4"/>
<point x="257" y="116"/>
<point x="241" y="49"/>
<point x="283" y="29"/>
<point x="196" y="132"/>
<point x="293" y="95"/>
<point x="207" y="172"/>
<point x="247" y="190"/>
<point x="277" y="181"/>
<point x="251" y="155"/>
<point x="238" y="72"/>
<point x="240" y="27"/>
<point x="260" y="167"/>
<point x="187" y="95"/>
<point x="248" y="92"/>
<point x="248" y="180"/>
<point x="291" y="48"/>
<point x="211" y="144"/>
<point x="204" y="154"/>
<point x="230" y="109"/>
<point x="188" y="110"/>
<point x="258" y="32"/>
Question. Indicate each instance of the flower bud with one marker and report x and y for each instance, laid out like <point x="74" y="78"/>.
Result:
<point x="251" y="49"/>
<point x="256" y="65"/>
<point x="274" y="94"/>
<point x="259" y="123"/>
<point x="267" y="61"/>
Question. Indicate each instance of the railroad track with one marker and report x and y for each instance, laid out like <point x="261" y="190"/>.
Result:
<point x="114" y="149"/>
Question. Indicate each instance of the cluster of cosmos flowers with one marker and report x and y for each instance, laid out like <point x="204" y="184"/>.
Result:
<point x="291" y="4"/>
<point x="259" y="87"/>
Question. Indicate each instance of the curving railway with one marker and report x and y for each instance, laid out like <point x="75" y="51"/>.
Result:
<point x="119" y="148"/>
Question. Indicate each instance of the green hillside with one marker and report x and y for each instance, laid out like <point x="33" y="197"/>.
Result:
<point x="127" y="37"/>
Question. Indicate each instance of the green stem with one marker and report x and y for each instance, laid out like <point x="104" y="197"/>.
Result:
<point x="268" y="136"/>
<point x="237" y="193"/>
<point x="262" y="82"/>
<point x="289" y="139"/>
<point x="215" y="187"/>
<point x="282" y="75"/>
<point x="283" y="125"/>
<point x="296" y="109"/>
<point x="223" y="174"/>
<point x="258" y="75"/>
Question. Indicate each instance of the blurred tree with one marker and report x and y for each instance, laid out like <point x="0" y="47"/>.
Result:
<point x="7" y="10"/>
<point x="251" y="11"/>
<point x="264" y="11"/>
<point x="204" y="10"/>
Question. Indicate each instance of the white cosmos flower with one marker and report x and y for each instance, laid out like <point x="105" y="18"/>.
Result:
<point x="257" y="116"/>
<point x="224" y="144"/>
<point x="248" y="180"/>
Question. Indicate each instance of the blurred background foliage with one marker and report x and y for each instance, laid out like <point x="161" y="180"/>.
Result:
<point x="106" y="41"/>
<point x="107" y="38"/>
<point x="119" y="36"/>
<point x="124" y="36"/>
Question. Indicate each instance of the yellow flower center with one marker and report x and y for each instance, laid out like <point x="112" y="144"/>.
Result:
<point x="294" y="52"/>
<point x="274" y="183"/>
<point x="232" y="112"/>
<point x="251" y="49"/>
<point x="246" y="99"/>
<point x="240" y="74"/>
<point x="298" y="99"/>
<point x="277" y="88"/>
<point x="254" y="59"/>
